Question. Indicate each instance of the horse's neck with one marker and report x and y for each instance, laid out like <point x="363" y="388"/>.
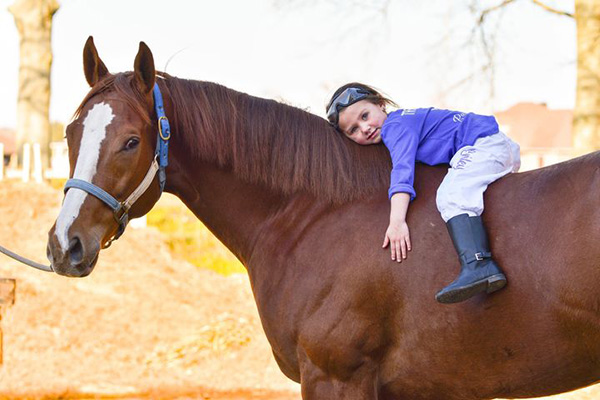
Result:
<point x="235" y="211"/>
<point x="242" y="214"/>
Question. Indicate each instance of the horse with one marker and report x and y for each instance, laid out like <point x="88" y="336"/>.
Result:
<point x="305" y="210"/>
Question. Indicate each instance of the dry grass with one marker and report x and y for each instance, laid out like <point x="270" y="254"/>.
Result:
<point x="189" y="239"/>
<point x="143" y="325"/>
<point x="226" y="333"/>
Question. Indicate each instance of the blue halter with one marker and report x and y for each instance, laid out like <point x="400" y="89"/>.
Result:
<point x="158" y="166"/>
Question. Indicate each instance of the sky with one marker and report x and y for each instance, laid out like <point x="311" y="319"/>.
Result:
<point x="419" y="52"/>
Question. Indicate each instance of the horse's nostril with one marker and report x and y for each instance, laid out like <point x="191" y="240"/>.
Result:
<point x="75" y="250"/>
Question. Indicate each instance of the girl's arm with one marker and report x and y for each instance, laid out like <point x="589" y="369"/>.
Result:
<point x="397" y="234"/>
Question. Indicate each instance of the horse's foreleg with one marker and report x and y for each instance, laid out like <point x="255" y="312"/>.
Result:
<point x="318" y="385"/>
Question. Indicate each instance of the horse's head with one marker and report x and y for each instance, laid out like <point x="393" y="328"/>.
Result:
<point x="111" y="148"/>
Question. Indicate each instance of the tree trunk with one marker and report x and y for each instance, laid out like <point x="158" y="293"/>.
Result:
<point x="586" y="116"/>
<point x="34" y="23"/>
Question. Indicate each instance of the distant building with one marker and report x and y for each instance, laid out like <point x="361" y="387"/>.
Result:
<point x="59" y="155"/>
<point x="545" y="135"/>
<point x="8" y="138"/>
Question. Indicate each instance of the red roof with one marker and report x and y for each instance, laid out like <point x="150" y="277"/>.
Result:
<point x="534" y="125"/>
<point x="8" y="137"/>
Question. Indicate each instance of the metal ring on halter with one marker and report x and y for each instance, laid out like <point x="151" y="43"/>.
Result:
<point x="160" y="131"/>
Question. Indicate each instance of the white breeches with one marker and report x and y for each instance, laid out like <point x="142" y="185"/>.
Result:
<point x="471" y="170"/>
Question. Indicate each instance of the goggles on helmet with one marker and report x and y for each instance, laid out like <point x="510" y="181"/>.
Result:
<point x="348" y="97"/>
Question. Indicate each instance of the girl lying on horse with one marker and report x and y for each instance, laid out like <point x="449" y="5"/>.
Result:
<point x="478" y="154"/>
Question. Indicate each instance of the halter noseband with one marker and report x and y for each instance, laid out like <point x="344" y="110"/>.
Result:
<point x="159" y="163"/>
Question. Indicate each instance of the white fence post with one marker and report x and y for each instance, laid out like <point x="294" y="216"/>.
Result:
<point x="37" y="163"/>
<point x="139" y="223"/>
<point x="59" y="161"/>
<point x="26" y="162"/>
<point x="1" y="161"/>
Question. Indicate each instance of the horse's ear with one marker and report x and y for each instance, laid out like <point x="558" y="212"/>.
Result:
<point x="144" y="69"/>
<point x="93" y="67"/>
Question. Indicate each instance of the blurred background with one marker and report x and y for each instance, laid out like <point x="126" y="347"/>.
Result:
<point x="532" y="63"/>
<point x="481" y="56"/>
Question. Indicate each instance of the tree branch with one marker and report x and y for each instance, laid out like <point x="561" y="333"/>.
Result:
<point x="551" y="9"/>
<point x="491" y="9"/>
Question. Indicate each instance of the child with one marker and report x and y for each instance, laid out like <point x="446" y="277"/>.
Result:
<point x="478" y="154"/>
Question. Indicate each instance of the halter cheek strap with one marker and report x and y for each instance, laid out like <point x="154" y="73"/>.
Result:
<point x="162" y="141"/>
<point x="158" y="165"/>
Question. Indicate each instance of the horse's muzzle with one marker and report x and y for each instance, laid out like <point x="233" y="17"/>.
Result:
<point x="77" y="260"/>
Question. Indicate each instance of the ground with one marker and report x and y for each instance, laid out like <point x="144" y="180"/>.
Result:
<point x="142" y="325"/>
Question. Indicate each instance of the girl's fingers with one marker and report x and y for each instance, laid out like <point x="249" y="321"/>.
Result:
<point x="398" y="252"/>
<point x="403" y="246"/>
<point x="398" y="248"/>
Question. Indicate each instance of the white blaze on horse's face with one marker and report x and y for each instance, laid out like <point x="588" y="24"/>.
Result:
<point x="94" y="132"/>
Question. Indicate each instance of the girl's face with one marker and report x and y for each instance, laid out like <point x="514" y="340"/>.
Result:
<point x="361" y="122"/>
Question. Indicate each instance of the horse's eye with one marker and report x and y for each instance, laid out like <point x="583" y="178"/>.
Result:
<point x="132" y="143"/>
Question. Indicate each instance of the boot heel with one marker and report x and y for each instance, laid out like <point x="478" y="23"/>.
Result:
<point x="495" y="283"/>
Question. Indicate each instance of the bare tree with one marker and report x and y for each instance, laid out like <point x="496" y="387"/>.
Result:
<point x="370" y="22"/>
<point x="488" y="19"/>
<point x="34" y="24"/>
<point x="586" y="115"/>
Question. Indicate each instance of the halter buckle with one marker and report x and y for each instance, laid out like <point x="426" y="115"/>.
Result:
<point x="120" y="213"/>
<point x="160" y="129"/>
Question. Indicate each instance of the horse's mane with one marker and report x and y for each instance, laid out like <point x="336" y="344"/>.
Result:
<point x="263" y="141"/>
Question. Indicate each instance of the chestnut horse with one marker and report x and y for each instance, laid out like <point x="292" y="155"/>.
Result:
<point x="305" y="210"/>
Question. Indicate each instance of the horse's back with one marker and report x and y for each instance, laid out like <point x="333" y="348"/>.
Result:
<point x="542" y="226"/>
<point x="349" y="302"/>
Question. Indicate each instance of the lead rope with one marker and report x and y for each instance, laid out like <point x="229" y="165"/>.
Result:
<point x="25" y="260"/>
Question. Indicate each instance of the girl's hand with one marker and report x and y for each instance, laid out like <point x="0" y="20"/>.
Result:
<point x="398" y="237"/>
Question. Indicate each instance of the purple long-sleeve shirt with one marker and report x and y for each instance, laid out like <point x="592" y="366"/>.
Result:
<point x="430" y="136"/>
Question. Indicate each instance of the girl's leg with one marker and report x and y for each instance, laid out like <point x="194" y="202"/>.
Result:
<point x="460" y="201"/>
<point x="471" y="170"/>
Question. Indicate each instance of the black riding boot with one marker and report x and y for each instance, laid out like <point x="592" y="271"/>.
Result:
<point x="478" y="273"/>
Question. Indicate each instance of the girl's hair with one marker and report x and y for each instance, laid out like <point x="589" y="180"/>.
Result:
<point x="374" y="96"/>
